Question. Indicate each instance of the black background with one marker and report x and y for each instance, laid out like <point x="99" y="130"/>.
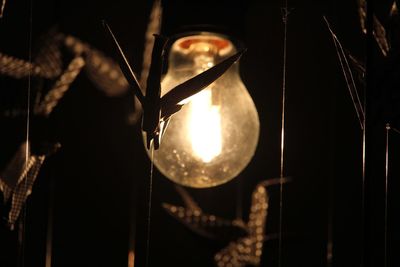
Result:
<point x="94" y="180"/>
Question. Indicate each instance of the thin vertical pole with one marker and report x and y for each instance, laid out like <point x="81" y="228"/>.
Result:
<point x="386" y="192"/>
<point x="282" y="165"/>
<point x="22" y="220"/>
<point x="366" y="170"/>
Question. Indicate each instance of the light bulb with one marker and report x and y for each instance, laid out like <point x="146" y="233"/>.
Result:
<point x="214" y="136"/>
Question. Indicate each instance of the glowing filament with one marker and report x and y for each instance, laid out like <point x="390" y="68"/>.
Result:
<point x="205" y="126"/>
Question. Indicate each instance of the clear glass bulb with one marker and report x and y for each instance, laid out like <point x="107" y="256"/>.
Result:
<point x="214" y="136"/>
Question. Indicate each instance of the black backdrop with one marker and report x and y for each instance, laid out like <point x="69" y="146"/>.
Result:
<point x="94" y="180"/>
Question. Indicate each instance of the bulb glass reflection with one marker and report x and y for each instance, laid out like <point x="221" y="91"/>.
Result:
<point x="214" y="136"/>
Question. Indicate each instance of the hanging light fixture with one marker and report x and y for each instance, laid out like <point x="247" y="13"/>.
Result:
<point x="213" y="138"/>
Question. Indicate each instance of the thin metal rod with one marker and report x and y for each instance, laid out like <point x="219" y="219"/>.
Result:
<point x="282" y="165"/>
<point x="149" y="207"/>
<point x="366" y="241"/>
<point x="363" y="193"/>
<point x="348" y="75"/>
<point x="386" y="192"/>
<point x="49" y="235"/>
<point x="22" y="223"/>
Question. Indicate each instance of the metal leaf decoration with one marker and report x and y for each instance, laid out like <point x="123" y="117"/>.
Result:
<point x="157" y="110"/>
<point x="348" y="75"/>
<point x="206" y="225"/>
<point x="17" y="179"/>
<point x="153" y="27"/>
<point x="102" y="70"/>
<point x="248" y="250"/>
<point x="3" y="5"/>
<point x="379" y="31"/>
<point x="60" y="87"/>
<point x="246" y="239"/>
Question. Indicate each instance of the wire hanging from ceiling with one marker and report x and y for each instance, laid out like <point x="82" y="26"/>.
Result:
<point x="22" y="222"/>
<point x="285" y="13"/>
<point x="386" y="191"/>
<point x="153" y="27"/>
<point x="148" y="226"/>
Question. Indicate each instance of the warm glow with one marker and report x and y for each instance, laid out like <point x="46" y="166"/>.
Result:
<point x="214" y="136"/>
<point x="131" y="258"/>
<point x="205" y="126"/>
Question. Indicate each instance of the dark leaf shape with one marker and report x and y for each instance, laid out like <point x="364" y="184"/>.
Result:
<point x="207" y="225"/>
<point x="348" y="75"/>
<point x="194" y="85"/>
<point x="245" y="239"/>
<point x="151" y="116"/>
<point x="169" y="104"/>
<point x="125" y="67"/>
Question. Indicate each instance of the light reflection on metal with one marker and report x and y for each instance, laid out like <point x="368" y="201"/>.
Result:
<point x="49" y="58"/>
<point x="246" y="239"/>
<point x="131" y="258"/>
<point x="153" y="27"/>
<point x="158" y="108"/>
<point x="3" y="5"/>
<point x="60" y="87"/>
<point x="348" y="75"/>
<point x="248" y="250"/>
<point x="379" y="31"/>
<point x="386" y="193"/>
<point x="102" y="70"/>
<point x="206" y="225"/>
<point x="47" y="64"/>
<point x="17" y="179"/>
<point x="394" y="11"/>
<point x="17" y="68"/>
<point x="358" y="66"/>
